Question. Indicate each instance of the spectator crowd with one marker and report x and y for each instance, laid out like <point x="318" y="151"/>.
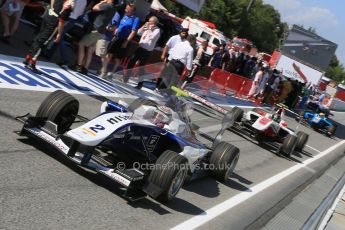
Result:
<point x="110" y="27"/>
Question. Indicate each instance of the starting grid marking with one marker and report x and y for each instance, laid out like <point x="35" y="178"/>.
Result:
<point x="13" y="75"/>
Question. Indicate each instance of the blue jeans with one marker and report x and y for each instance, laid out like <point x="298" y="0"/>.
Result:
<point x="62" y="45"/>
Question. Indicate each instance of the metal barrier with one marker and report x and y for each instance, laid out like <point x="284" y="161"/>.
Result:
<point x="320" y="217"/>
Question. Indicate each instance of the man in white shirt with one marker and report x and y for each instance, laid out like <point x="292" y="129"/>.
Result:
<point x="171" y="43"/>
<point x="263" y="82"/>
<point x="255" y="85"/>
<point x="149" y="36"/>
<point x="181" y="56"/>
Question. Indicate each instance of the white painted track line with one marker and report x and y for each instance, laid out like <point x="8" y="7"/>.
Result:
<point x="226" y="205"/>
<point x="316" y="150"/>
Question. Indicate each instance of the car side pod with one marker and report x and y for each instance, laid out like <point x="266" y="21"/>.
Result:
<point x="132" y="179"/>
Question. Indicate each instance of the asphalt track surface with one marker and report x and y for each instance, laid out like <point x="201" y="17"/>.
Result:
<point x="41" y="190"/>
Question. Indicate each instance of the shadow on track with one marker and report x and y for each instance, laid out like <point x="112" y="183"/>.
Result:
<point x="290" y="158"/>
<point x="340" y="132"/>
<point x="184" y="206"/>
<point x="108" y="184"/>
<point x="207" y="187"/>
<point x="237" y="186"/>
<point x="6" y="115"/>
<point x="241" y="179"/>
<point x="178" y="205"/>
<point x="53" y="153"/>
<point x="305" y="153"/>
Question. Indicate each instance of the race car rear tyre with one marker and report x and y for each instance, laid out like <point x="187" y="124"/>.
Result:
<point x="139" y="102"/>
<point x="169" y="174"/>
<point x="289" y="145"/>
<point x="331" y="130"/>
<point x="60" y="108"/>
<point x="223" y="160"/>
<point x="302" y="139"/>
<point x="237" y="113"/>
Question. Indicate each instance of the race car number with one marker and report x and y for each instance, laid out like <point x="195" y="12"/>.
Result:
<point x="95" y="128"/>
<point x="264" y="121"/>
<point x="316" y="119"/>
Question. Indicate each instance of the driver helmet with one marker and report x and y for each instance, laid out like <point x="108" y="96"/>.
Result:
<point x="161" y="116"/>
<point x="277" y="116"/>
<point x="321" y="114"/>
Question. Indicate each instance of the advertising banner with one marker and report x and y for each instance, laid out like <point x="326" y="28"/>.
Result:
<point x="296" y="70"/>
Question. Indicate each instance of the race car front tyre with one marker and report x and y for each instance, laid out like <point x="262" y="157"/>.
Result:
<point x="237" y="113"/>
<point x="302" y="139"/>
<point x="60" y="108"/>
<point x="139" y="102"/>
<point x="169" y="174"/>
<point x="289" y="145"/>
<point x="331" y="130"/>
<point x="223" y="160"/>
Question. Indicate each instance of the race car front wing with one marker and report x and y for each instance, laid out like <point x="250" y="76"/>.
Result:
<point x="132" y="179"/>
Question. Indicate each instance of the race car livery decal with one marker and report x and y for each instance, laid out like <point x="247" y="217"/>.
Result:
<point x="117" y="119"/>
<point x="152" y="142"/>
<point x="264" y="120"/>
<point x="98" y="129"/>
<point x="316" y="119"/>
<point x="93" y="130"/>
<point x="58" y="143"/>
<point x="89" y="131"/>
<point x="116" y="177"/>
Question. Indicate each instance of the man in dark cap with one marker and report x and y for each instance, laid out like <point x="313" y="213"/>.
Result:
<point x="181" y="57"/>
<point x="171" y="43"/>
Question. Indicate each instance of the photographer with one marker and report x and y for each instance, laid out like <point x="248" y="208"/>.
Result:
<point x="149" y="36"/>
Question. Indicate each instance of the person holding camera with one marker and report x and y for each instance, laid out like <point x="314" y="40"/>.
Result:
<point x="149" y="36"/>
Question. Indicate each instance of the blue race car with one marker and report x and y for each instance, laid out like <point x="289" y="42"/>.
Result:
<point x="319" y="122"/>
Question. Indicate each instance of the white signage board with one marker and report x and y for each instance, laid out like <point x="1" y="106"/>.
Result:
<point x="194" y="5"/>
<point x="296" y="70"/>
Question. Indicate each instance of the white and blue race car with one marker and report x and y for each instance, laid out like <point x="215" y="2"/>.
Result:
<point x="155" y="145"/>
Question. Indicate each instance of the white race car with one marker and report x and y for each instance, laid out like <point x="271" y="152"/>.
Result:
<point x="155" y="145"/>
<point x="269" y="127"/>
